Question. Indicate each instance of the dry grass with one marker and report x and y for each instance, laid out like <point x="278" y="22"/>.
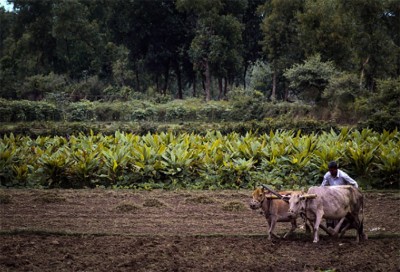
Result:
<point x="49" y="198"/>
<point x="5" y="198"/>
<point x="126" y="207"/>
<point x="234" y="206"/>
<point x="152" y="202"/>
<point x="202" y="199"/>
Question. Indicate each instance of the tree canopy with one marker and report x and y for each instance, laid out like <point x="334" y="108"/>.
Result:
<point x="200" y="48"/>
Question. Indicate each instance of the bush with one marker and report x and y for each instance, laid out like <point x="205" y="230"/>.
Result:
<point x="24" y="110"/>
<point x="108" y="111"/>
<point x="36" y="87"/>
<point x="380" y="110"/>
<point x="80" y="111"/>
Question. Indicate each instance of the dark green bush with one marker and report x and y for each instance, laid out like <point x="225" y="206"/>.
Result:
<point x="80" y="111"/>
<point x="381" y="110"/>
<point x="24" y="110"/>
<point x="108" y="111"/>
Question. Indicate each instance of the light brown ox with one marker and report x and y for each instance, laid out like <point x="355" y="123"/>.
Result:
<point x="274" y="209"/>
<point x="331" y="202"/>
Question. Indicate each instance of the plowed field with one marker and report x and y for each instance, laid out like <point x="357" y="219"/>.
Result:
<point x="121" y="230"/>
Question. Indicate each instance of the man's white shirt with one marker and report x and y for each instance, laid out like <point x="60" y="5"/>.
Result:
<point x="341" y="179"/>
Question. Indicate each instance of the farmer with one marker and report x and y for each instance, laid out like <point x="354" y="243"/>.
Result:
<point x="336" y="177"/>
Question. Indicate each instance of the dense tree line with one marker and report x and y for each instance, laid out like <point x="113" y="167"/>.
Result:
<point x="313" y="50"/>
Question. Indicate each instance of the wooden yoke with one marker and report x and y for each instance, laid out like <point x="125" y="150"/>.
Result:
<point x="308" y="196"/>
<point x="270" y="196"/>
<point x="275" y="194"/>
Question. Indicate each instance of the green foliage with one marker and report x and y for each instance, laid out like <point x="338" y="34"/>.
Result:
<point x="107" y="50"/>
<point x="286" y="159"/>
<point x="24" y="110"/>
<point x="326" y="29"/>
<point x="381" y="110"/>
<point x="340" y="94"/>
<point x="80" y="111"/>
<point x="308" y="80"/>
<point x="38" y="86"/>
<point x="260" y="77"/>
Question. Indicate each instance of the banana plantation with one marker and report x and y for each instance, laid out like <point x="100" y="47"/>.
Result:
<point x="283" y="159"/>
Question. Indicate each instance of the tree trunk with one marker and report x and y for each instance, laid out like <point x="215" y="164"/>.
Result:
<point x="208" y="81"/>
<point x="273" y="94"/>
<point x="225" y="87"/>
<point x="137" y="81"/>
<point x="286" y="93"/>
<point x="362" y="72"/>
<point x="166" y="78"/>
<point x="220" y="95"/>
<point x="244" y="76"/>
<point x="179" y="78"/>
<point x="157" y="84"/>
<point x="194" y="84"/>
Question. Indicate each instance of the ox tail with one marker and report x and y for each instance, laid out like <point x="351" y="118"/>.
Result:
<point x="361" y="227"/>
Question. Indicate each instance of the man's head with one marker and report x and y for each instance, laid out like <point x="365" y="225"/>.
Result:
<point x="332" y="166"/>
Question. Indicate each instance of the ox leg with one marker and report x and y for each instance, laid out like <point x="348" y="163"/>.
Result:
<point x="345" y="228"/>
<point x="329" y="231"/>
<point x="294" y="226"/>
<point x="317" y="222"/>
<point x="337" y="227"/>
<point x="272" y="223"/>
<point x="358" y="225"/>
<point x="269" y="228"/>
<point x="308" y="229"/>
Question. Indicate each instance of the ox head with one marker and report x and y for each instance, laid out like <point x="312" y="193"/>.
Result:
<point x="297" y="204"/>
<point x="258" y="198"/>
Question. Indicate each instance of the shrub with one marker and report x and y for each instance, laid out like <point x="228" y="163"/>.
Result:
<point x="80" y="111"/>
<point x="108" y="111"/>
<point x="380" y="110"/>
<point x="24" y="110"/>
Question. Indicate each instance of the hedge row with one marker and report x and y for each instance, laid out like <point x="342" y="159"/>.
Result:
<point x="35" y="129"/>
<point x="147" y="116"/>
<point x="141" y="110"/>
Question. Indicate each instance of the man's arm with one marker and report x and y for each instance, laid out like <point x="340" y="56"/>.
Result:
<point x="325" y="181"/>
<point x="349" y="180"/>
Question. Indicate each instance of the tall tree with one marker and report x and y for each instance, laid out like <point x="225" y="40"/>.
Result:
<point x="78" y="41"/>
<point x="280" y="37"/>
<point x="7" y="62"/>
<point x="374" y="45"/>
<point x="35" y="46"/>
<point x="252" y="35"/>
<point x="216" y="46"/>
<point x="324" y="30"/>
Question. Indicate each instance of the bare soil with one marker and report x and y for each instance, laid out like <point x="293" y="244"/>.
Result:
<point x="121" y="230"/>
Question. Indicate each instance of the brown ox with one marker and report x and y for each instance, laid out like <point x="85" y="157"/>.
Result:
<point x="331" y="202"/>
<point x="275" y="210"/>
